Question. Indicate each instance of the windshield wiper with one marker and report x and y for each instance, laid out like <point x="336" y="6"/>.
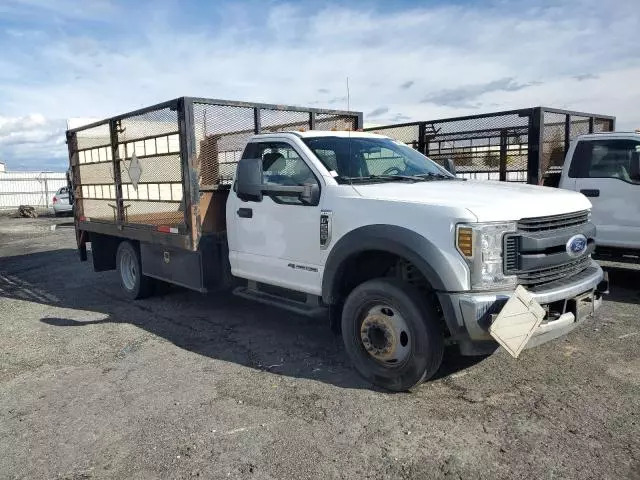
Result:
<point x="432" y="176"/>
<point x="383" y="178"/>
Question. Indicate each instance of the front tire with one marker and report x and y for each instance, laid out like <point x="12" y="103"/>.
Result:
<point x="391" y="334"/>
<point x="134" y="284"/>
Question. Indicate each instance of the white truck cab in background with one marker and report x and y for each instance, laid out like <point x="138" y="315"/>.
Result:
<point x="605" y="167"/>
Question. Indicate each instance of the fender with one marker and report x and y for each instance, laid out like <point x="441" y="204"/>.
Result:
<point x="424" y="254"/>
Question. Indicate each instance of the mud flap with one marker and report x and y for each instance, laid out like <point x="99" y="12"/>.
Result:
<point x="516" y="323"/>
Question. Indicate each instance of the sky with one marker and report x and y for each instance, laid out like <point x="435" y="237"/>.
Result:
<point x="405" y="61"/>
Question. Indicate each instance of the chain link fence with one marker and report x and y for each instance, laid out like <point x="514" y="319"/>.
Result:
<point x="35" y="189"/>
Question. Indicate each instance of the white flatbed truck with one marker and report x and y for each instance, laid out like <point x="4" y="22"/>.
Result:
<point x="297" y="208"/>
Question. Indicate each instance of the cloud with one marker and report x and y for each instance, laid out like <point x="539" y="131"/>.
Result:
<point x="58" y="11"/>
<point x="93" y="61"/>
<point x="585" y="76"/>
<point x="23" y="139"/>
<point x="336" y="100"/>
<point x="466" y="96"/>
<point x="399" y="118"/>
<point x="378" y="112"/>
<point x="407" y="85"/>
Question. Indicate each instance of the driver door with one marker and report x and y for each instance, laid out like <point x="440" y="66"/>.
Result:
<point x="276" y="240"/>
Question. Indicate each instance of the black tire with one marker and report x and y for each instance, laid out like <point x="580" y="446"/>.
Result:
<point x="426" y="340"/>
<point x="141" y="286"/>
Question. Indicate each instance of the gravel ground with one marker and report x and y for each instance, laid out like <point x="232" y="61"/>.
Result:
<point x="186" y="385"/>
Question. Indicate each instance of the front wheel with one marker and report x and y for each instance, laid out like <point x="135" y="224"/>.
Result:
<point x="134" y="284"/>
<point x="391" y="334"/>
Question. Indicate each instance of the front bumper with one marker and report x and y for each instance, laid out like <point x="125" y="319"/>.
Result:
<point x="64" y="207"/>
<point x="469" y="314"/>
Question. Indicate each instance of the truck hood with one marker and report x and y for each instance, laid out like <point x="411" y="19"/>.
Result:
<point x="488" y="200"/>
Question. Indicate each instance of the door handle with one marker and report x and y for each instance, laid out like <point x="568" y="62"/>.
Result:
<point x="590" y="193"/>
<point x="245" y="213"/>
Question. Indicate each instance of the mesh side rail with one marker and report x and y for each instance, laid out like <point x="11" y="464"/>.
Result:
<point x="152" y="184"/>
<point x="553" y="141"/>
<point x="156" y="196"/>
<point x="603" y="125"/>
<point x="222" y="132"/>
<point x="93" y="176"/>
<point x="497" y="146"/>
<point x="407" y="134"/>
<point x="330" y="121"/>
<point x="559" y="129"/>
<point x="486" y="147"/>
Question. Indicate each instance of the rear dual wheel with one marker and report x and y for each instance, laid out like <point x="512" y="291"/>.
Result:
<point x="391" y="334"/>
<point x="134" y="284"/>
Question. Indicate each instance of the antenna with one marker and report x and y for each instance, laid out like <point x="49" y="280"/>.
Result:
<point x="349" y="131"/>
<point x="348" y="99"/>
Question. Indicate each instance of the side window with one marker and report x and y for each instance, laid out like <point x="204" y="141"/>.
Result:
<point x="605" y="159"/>
<point x="281" y="165"/>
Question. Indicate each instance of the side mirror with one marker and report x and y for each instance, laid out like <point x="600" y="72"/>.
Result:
<point x="450" y="166"/>
<point x="634" y="167"/>
<point x="249" y="179"/>
<point x="250" y="185"/>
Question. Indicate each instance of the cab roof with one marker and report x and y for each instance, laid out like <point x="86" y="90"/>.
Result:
<point x="600" y="135"/>
<point x="325" y="133"/>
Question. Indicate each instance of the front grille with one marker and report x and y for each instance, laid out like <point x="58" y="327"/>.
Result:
<point x="553" y="222"/>
<point x="545" y="275"/>
<point x="511" y="254"/>
<point x="536" y="228"/>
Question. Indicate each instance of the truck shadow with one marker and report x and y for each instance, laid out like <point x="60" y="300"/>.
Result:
<point x="219" y="326"/>
<point x="624" y="284"/>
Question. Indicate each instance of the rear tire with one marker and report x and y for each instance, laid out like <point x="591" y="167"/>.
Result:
<point x="134" y="284"/>
<point x="391" y="334"/>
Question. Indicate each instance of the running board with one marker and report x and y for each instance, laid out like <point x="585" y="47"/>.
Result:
<point x="310" y="308"/>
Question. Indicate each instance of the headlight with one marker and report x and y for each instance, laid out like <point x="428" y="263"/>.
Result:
<point x="481" y="246"/>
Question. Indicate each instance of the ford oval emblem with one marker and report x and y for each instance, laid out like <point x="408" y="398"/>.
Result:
<point x="577" y="245"/>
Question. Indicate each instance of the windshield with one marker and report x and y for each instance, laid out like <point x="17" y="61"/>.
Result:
<point x="373" y="159"/>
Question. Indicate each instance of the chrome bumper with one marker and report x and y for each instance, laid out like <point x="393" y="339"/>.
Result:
<point x="469" y="315"/>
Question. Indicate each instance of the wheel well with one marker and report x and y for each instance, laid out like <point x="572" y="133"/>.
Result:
<point x="370" y="264"/>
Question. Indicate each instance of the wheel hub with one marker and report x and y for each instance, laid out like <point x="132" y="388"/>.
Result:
<point x="128" y="270"/>
<point x="385" y="335"/>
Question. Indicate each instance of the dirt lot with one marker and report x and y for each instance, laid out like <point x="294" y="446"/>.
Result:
<point x="184" y="385"/>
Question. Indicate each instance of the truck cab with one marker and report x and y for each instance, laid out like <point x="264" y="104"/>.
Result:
<point x="606" y="168"/>
<point x="410" y="256"/>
